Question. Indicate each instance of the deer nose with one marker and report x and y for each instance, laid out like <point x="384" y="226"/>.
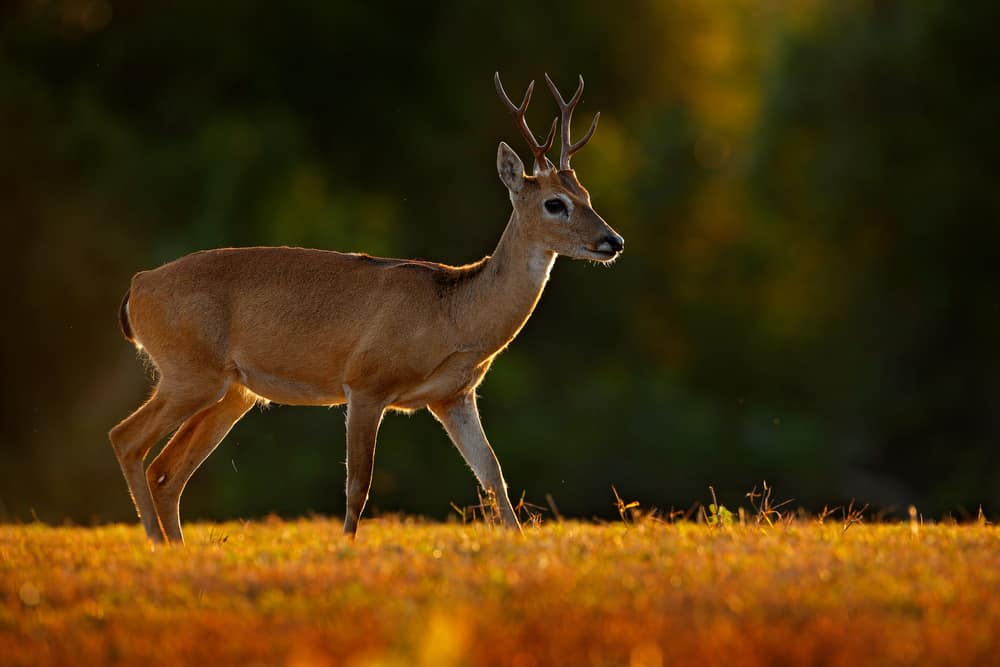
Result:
<point x="614" y="242"/>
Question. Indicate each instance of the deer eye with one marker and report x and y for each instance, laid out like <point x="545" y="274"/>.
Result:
<point x="555" y="206"/>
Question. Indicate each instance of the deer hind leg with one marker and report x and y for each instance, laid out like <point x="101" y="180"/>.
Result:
<point x="166" y="409"/>
<point x="460" y="419"/>
<point x="184" y="453"/>
<point x="363" y="420"/>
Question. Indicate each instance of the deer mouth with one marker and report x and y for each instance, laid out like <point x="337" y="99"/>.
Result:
<point x="608" y="249"/>
<point x="600" y="255"/>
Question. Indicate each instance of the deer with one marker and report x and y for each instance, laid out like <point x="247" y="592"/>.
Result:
<point x="229" y="328"/>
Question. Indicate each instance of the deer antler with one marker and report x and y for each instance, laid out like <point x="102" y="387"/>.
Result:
<point x="568" y="149"/>
<point x="537" y="149"/>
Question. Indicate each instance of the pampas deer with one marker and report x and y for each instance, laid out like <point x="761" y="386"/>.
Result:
<point x="229" y="327"/>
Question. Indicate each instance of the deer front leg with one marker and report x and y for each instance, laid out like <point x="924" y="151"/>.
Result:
<point x="460" y="419"/>
<point x="363" y="420"/>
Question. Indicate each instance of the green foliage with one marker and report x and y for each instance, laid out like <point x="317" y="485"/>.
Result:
<point x="806" y="191"/>
<point x="718" y="516"/>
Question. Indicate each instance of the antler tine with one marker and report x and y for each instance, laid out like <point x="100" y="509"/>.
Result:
<point x="537" y="149"/>
<point x="568" y="148"/>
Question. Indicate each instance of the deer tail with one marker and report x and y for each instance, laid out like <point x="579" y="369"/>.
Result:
<point x="123" y="321"/>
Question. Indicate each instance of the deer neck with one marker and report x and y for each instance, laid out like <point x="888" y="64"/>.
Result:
<point x="502" y="296"/>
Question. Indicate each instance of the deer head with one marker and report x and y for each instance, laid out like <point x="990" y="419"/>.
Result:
<point x="551" y="204"/>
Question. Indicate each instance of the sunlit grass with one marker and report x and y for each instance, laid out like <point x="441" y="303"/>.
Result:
<point x="651" y="593"/>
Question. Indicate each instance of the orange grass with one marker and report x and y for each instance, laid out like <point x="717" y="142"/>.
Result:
<point x="407" y="593"/>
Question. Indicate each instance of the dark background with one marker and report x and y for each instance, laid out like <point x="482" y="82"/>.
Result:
<point x="810" y="292"/>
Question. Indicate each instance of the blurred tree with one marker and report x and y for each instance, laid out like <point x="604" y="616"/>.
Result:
<point x="809" y="294"/>
<point x="875" y="167"/>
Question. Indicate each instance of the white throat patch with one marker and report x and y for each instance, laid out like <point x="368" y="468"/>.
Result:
<point x="540" y="265"/>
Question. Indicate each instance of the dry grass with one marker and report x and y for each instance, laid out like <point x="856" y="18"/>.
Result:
<point x="641" y="594"/>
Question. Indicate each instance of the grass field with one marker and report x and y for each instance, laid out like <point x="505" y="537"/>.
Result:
<point x="407" y="593"/>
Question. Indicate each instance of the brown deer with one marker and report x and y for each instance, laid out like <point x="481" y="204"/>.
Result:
<point x="227" y="328"/>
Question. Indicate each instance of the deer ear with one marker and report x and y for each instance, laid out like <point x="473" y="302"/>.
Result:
<point x="510" y="168"/>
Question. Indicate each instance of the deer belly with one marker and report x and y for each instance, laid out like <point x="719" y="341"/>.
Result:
<point x="459" y="373"/>
<point x="290" y="390"/>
